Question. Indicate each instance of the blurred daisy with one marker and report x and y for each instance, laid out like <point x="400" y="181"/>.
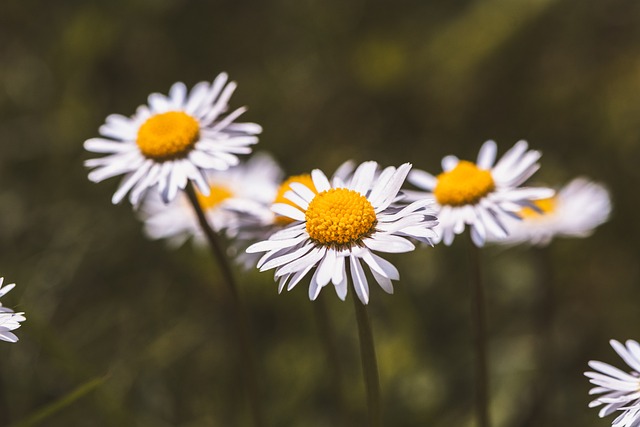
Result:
<point x="575" y="211"/>
<point x="618" y="390"/>
<point x="9" y="320"/>
<point x="481" y="195"/>
<point x="335" y="224"/>
<point x="239" y="198"/>
<point x="171" y="141"/>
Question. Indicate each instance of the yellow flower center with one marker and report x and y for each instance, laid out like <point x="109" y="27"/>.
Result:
<point x="217" y="195"/>
<point x="286" y="186"/>
<point x="340" y="218"/>
<point x="465" y="184"/>
<point x="544" y="206"/>
<point x="168" y="136"/>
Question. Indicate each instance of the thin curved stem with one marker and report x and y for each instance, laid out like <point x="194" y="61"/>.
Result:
<point x="478" y="317"/>
<point x="369" y="363"/>
<point x="247" y="357"/>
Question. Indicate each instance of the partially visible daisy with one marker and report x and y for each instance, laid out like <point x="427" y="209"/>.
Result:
<point x="576" y="210"/>
<point x="239" y="198"/>
<point x="618" y="390"/>
<point x="481" y="195"/>
<point x="171" y="141"/>
<point x="9" y="320"/>
<point x="343" y="223"/>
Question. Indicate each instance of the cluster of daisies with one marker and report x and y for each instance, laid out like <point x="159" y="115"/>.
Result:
<point x="330" y="227"/>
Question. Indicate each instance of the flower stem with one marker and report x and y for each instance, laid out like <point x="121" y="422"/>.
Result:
<point x="480" y="339"/>
<point x="247" y="357"/>
<point x="369" y="364"/>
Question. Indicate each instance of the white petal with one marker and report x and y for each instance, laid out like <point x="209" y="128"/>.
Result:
<point x="294" y="198"/>
<point x="101" y="145"/>
<point x="449" y="162"/>
<point x="383" y="281"/>
<point x="381" y="265"/>
<point x="303" y="191"/>
<point x="363" y="177"/>
<point x="326" y="268"/>
<point x="297" y="277"/>
<point x="314" y="287"/>
<point x="359" y="280"/>
<point x="341" y="287"/>
<point x="178" y="94"/>
<point x="487" y="155"/>
<point x="391" y="190"/>
<point x="288" y="211"/>
<point x="129" y="181"/>
<point x="285" y="259"/>
<point x="320" y="180"/>
<point x="422" y="179"/>
<point x="389" y="243"/>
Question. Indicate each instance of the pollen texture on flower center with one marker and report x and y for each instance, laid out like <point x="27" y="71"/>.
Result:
<point x="217" y="195"/>
<point x="286" y="186"/>
<point x="168" y="136"/>
<point x="543" y="207"/>
<point x="339" y="218"/>
<point x="465" y="184"/>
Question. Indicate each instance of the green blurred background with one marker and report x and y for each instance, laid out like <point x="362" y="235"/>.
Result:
<point x="328" y="80"/>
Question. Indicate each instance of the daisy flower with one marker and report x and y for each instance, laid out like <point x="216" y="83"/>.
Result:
<point x="481" y="195"/>
<point x="238" y="198"/>
<point x="576" y="210"/>
<point x="171" y="141"/>
<point x="9" y="320"/>
<point x="343" y="223"/>
<point x="618" y="390"/>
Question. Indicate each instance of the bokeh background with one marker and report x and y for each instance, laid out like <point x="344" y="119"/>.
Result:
<point x="147" y="329"/>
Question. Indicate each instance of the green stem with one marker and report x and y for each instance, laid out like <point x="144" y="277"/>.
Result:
<point x="480" y="340"/>
<point x="68" y="399"/>
<point x="247" y="357"/>
<point x="369" y="363"/>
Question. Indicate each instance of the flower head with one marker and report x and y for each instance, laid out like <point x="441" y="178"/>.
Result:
<point x="172" y="140"/>
<point x="576" y="210"/>
<point x="481" y="195"/>
<point x="618" y="390"/>
<point x="343" y="223"/>
<point x="239" y="199"/>
<point x="9" y="320"/>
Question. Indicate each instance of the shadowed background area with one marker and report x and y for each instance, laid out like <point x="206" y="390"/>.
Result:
<point x="329" y="81"/>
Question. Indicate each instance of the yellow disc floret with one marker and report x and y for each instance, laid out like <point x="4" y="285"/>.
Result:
<point x="286" y="186"/>
<point x="544" y="206"/>
<point x="465" y="184"/>
<point x="168" y="136"/>
<point x="340" y="218"/>
<point x="217" y="195"/>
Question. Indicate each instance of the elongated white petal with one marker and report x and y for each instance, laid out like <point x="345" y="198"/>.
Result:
<point x="359" y="280"/>
<point x="288" y="211"/>
<point x="320" y="180"/>
<point x="487" y="154"/>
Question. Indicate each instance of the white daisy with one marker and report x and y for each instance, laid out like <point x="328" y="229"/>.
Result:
<point x="576" y="210"/>
<point x="481" y="195"/>
<point x="9" y="320"/>
<point x="342" y="224"/>
<point x="239" y="198"/>
<point x="618" y="390"/>
<point x="173" y="140"/>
